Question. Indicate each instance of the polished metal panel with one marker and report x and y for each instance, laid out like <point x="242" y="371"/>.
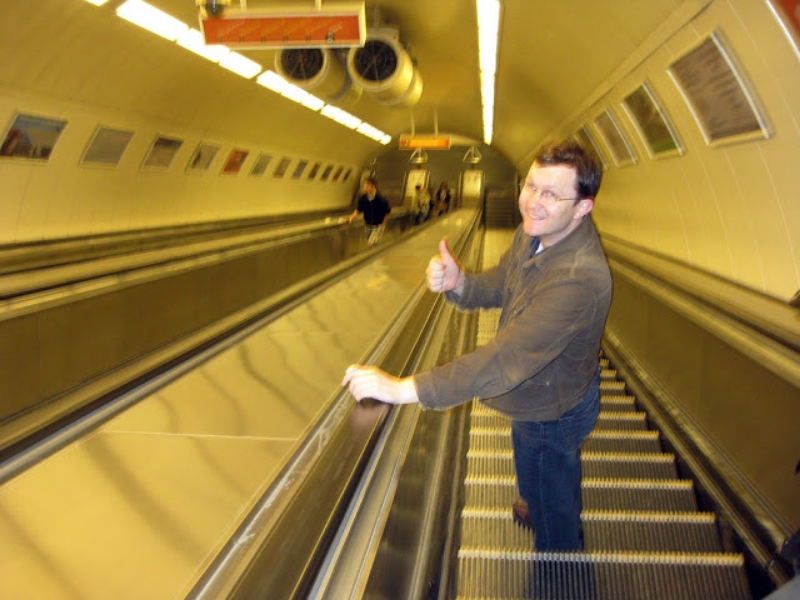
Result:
<point x="140" y="507"/>
<point x="127" y="515"/>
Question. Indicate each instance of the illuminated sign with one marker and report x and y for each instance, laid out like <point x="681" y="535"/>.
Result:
<point x="413" y="142"/>
<point x="338" y="25"/>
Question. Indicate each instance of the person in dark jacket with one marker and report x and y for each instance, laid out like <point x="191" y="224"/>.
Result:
<point x="541" y="370"/>
<point x="375" y="209"/>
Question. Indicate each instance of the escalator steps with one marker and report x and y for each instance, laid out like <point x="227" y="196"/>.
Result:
<point x="512" y="575"/>
<point x="604" y="531"/>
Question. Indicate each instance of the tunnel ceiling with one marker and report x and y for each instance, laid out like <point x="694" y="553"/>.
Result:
<point x="553" y="56"/>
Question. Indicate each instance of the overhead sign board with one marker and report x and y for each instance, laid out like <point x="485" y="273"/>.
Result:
<point x="414" y="142"/>
<point x="332" y="26"/>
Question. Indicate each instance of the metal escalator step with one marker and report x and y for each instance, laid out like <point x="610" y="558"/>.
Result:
<point x="607" y="531"/>
<point x="622" y="441"/>
<point x="608" y="374"/>
<point x="612" y="387"/>
<point x="617" y="401"/>
<point x="512" y="575"/>
<point x="598" y="494"/>
<point x="600" y="440"/>
<point x="611" y="407"/>
<point x="626" y="465"/>
<point x="624" y="420"/>
<point x="615" y="465"/>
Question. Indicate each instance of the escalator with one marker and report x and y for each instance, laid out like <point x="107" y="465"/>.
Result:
<point x="644" y="535"/>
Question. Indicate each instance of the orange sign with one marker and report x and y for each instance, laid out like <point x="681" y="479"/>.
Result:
<point x="246" y="30"/>
<point x="410" y="142"/>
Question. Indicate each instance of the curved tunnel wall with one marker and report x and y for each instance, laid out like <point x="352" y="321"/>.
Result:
<point x="729" y="207"/>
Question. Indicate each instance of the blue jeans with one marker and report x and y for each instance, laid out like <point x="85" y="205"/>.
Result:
<point x="548" y="464"/>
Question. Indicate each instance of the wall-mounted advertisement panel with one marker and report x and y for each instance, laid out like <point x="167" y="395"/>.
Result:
<point x="202" y="158"/>
<point x="31" y="137"/>
<point x="312" y="172"/>
<point x="260" y="165"/>
<point x="106" y="147"/>
<point x="616" y="143"/>
<point x="472" y="187"/>
<point x="651" y="122"/>
<point x="587" y="140"/>
<point x="299" y="168"/>
<point x="715" y="89"/>
<point x="280" y="170"/>
<point x="162" y="153"/>
<point x="235" y="161"/>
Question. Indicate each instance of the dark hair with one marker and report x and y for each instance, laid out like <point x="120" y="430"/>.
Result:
<point x="572" y="154"/>
<point x="371" y="180"/>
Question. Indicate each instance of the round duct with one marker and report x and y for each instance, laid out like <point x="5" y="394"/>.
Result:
<point x="318" y="71"/>
<point x="383" y="69"/>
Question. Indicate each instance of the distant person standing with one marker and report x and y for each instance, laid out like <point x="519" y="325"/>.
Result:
<point x="375" y="208"/>
<point x="420" y="204"/>
<point x="442" y="199"/>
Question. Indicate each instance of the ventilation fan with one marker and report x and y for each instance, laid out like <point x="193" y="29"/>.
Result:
<point x="376" y="61"/>
<point x="301" y="64"/>
<point x="383" y="69"/>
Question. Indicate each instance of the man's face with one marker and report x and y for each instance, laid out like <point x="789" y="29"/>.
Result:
<point x="548" y="203"/>
<point x="369" y="189"/>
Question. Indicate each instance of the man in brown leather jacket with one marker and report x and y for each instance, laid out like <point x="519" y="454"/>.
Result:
<point x="541" y="370"/>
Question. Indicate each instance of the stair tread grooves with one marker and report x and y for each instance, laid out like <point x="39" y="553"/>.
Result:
<point x="644" y="534"/>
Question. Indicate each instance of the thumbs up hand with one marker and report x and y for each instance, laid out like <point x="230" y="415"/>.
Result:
<point x="444" y="274"/>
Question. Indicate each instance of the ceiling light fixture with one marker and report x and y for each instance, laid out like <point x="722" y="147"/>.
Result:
<point x="488" y="13"/>
<point x="149" y="17"/>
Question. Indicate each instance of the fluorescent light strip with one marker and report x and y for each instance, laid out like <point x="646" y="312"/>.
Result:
<point x="241" y="65"/>
<point x="150" y="18"/>
<point x="488" y="13"/>
<point x="193" y="40"/>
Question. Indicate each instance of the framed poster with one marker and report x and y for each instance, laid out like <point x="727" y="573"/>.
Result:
<point x="106" y="146"/>
<point x="472" y="184"/>
<point x="616" y="143"/>
<point x="326" y="173"/>
<point x="32" y="137"/>
<point x="337" y="173"/>
<point x="651" y="122"/>
<point x="586" y="139"/>
<point x="298" y="170"/>
<point x="162" y="153"/>
<point x="280" y="170"/>
<point x="312" y="173"/>
<point x="715" y="90"/>
<point x="202" y="158"/>
<point x="347" y="174"/>
<point x="260" y="166"/>
<point x="235" y="161"/>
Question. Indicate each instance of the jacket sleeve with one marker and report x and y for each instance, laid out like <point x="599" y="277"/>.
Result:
<point x="532" y="338"/>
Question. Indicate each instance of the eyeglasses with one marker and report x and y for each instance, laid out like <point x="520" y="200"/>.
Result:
<point x="546" y="196"/>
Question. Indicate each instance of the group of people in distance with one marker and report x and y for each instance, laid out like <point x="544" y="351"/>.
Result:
<point x="376" y="208"/>
<point x="423" y="206"/>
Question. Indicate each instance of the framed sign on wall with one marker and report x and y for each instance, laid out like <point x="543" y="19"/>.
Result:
<point x="715" y="88"/>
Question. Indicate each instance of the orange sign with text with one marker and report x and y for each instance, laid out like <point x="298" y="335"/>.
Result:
<point x="245" y="30"/>
<point x="411" y="142"/>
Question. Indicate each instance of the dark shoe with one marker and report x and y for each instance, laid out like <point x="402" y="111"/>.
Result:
<point x="521" y="515"/>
